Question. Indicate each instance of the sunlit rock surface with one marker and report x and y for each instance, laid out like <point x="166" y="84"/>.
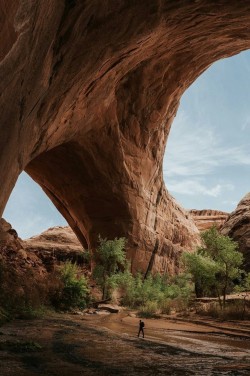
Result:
<point x="88" y="92"/>
<point x="56" y="245"/>
<point x="55" y="238"/>
<point x="205" y="219"/>
<point x="237" y="227"/>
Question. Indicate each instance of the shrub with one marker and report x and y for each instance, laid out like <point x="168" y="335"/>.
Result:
<point x="110" y="258"/>
<point x="165" y="306"/>
<point x="28" y="312"/>
<point x="73" y="291"/>
<point x="155" y="294"/>
<point x="233" y="311"/>
<point x="149" y="309"/>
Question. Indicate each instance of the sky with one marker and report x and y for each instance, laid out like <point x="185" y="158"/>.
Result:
<point x="207" y="159"/>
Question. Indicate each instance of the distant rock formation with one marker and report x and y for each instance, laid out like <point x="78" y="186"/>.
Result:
<point x="205" y="219"/>
<point x="59" y="238"/>
<point x="57" y="244"/>
<point x="237" y="226"/>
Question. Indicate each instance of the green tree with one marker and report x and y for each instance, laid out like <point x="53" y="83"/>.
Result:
<point x="109" y="258"/>
<point x="204" y="270"/>
<point x="216" y="264"/>
<point x="75" y="291"/>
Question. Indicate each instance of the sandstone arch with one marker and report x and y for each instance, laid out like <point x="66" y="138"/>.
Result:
<point x="89" y="90"/>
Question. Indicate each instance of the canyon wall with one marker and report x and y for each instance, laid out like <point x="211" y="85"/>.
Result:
<point x="237" y="227"/>
<point x="89" y="90"/>
<point x="56" y="245"/>
<point x="205" y="219"/>
<point x="17" y="263"/>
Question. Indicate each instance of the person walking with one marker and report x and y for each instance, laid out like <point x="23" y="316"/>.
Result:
<point x="141" y="328"/>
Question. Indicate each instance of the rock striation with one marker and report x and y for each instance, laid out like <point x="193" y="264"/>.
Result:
<point x="89" y="90"/>
<point x="237" y="226"/>
<point x="205" y="219"/>
<point x="59" y="238"/>
<point x="56" y="245"/>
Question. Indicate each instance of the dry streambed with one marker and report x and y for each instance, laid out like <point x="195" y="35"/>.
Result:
<point x="107" y="344"/>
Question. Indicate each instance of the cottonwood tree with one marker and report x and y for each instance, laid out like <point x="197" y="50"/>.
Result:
<point x="216" y="264"/>
<point x="204" y="270"/>
<point x="109" y="258"/>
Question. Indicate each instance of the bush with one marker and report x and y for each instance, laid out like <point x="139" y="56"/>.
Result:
<point x="215" y="266"/>
<point x="165" y="306"/>
<point x="149" y="309"/>
<point x="73" y="290"/>
<point x="28" y="312"/>
<point x="233" y="311"/>
<point x="110" y="258"/>
<point x="155" y="294"/>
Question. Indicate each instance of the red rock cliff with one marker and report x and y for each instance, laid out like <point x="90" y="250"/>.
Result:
<point x="57" y="244"/>
<point x="237" y="227"/>
<point x="205" y="219"/>
<point x="89" y="90"/>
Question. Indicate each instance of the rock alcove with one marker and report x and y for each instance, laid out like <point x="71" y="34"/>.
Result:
<point x="88" y="94"/>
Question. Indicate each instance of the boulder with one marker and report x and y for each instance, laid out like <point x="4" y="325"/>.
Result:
<point x="110" y="308"/>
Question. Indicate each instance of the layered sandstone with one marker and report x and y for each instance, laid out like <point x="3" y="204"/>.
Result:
<point x="55" y="245"/>
<point x="59" y="238"/>
<point x="205" y="219"/>
<point x="237" y="227"/>
<point x="89" y="90"/>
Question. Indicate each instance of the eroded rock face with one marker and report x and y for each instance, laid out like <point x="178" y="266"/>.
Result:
<point x="8" y="237"/>
<point x="56" y="245"/>
<point x="205" y="219"/>
<point x="89" y="90"/>
<point x="60" y="238"/>
<point x="16" y="258"/>
<point x="237" y="227"/>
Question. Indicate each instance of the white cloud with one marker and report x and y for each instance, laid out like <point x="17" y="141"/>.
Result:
<point x="246" y="124"/>
<point x="196" y="150"/>
<point x="195" y="187"/>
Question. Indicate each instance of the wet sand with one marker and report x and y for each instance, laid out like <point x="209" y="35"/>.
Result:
<point x="107" y="344"/>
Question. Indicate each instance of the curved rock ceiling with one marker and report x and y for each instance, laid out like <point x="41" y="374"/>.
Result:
<point x="89" y="90"/>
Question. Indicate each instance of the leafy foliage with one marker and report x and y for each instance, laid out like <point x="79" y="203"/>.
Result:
<point x="74" y="292"/>
<point x="153" y="294"/>
<point x="109" y="258"/>
<point x="204" y="270"/>
<point x="215" y="266"/>
<point x="149" y="295"/>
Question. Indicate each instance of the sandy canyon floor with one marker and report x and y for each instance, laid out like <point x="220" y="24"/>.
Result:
<point x="107" y="344"/>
